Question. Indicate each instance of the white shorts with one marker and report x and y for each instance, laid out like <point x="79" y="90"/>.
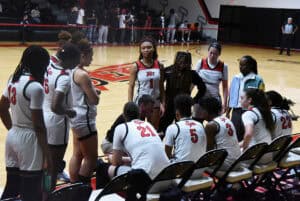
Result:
<point x="85" y="131"/>
<point x="58" y="128"/>
<point x="22" y="150"/>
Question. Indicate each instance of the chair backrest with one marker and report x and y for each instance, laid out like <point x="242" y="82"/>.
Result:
<point x="213" y="158"/>
<point x="72" y="192"/>
<point x="252" y="153"/>
<point x="11" y="199"/>
<point x="278" y="145"/>
<point x="174" y="171"/>
<point x="134" y="180"/>
<point x="293" y="145"/>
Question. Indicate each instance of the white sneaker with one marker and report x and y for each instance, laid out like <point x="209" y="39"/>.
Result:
<point x="63" y="176"/>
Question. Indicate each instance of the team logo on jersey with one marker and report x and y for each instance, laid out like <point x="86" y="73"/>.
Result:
<point x="101" y="77"/>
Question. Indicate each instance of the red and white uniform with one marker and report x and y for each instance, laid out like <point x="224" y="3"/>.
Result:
<point x="22" y="149"/>
<point x="188" y="139"/>
<point x="56" y="79"/>
<point x="212" y="75"/>
<point x="283" y="122"/>
<point x="226" y="138"/>
<point x="144" y="146"/>
<point x="147" y="82"/>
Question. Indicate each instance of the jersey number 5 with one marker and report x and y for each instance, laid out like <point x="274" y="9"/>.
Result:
<point x="194" y="136"/>
<point x="230" y="131"/>
<point x="12" y="93"/>
<point x="286" y="122"/>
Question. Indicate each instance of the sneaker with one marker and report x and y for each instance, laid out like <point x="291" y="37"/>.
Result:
<point x="63" y="176"/>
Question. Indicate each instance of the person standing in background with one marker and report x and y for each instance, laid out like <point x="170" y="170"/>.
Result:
<point x="173" y="19"/>
<point x="103" y="28"/>
<point x="288" y="31"/>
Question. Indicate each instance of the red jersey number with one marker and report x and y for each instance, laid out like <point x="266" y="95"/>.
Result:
<point x="286" y="122"/>
<point x="194" y="136"/>
<point x="229" y="129"/>
<point x="146" y="131"/>
<point x="12" y="93"/>
<point x="46" y="85"/>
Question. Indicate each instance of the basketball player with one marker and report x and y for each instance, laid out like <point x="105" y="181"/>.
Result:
<point x="85" y="99"/>
<point x="26" y="150"/>
<point x="142" y="143"/>
<point x="219" y="130"/>
<point x="147" y="75"/>
<point x="63" y="38"/>
<point x="213" y="72"/>
<point x="146" y="104"/>
<point x="57" y="106"/>
<point x="186" y="137"/>
<point x="279" y="108"/>
<point x="258" y="119"/>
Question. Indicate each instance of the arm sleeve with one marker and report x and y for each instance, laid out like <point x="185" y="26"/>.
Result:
<point x="118" y="137"/>
<point x="170" y="135"/>
<point x="35" y="93"/>
<point x="197" y="80"/>
<point x="225" y="72"/>
<point x="63" y="84"/>
<point x="249" y="118"/>
<point x="198" y="65"/>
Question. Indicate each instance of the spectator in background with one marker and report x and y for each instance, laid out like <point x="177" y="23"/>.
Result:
<point x="173" y="19"/>
<point x="91" y="22"/>
<point x="122" y="25"/>
<point x="161" y="34"/>
<point x="80" y="16"/>
<point x="184" y="29"/>
<point x="35" y="15"/>
<point x="288" y="31"/>
<point x="72" y="16"/>
<point x="114" y="24"/>
<point x="148" y="23"/>
<point x="103" y="27"/>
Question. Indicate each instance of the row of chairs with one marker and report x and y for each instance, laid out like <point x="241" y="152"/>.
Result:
<point x="247" y="171"/>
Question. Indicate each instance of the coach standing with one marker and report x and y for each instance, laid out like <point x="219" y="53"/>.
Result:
<point x="288" y="31"/>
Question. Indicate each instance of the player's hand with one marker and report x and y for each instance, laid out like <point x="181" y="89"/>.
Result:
<point x="71" y="113"/>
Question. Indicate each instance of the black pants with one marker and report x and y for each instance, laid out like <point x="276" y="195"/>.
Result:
<point x="286" y="42"/>
<point x="236" y="118"/>
<point x="168" y="117"/>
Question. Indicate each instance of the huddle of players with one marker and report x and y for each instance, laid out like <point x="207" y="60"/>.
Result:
<point x="38" y="95"/>
<point x="46" y="95"/>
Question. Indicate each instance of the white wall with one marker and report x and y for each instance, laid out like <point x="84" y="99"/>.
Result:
<point x="195" y="13"/>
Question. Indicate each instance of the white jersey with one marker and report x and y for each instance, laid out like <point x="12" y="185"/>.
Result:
<point x="226" y="138"/>
<point x="85" y="112"/>
<point x="56" y="79"/>
<point x="144" y="146"/>
<point x="24" y="95"/>
<point x="283" y="122"/>
<point x="147" y="81"/>
<point x="188" y="138"/>
<point x="261" y="133"/>
<point x="212" y="76"/>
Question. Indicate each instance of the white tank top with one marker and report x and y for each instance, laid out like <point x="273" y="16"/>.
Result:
<point x="226" y="138"/>
<point x="24" y="95"/>
<point x="283" y="122"/>
<point x="56" y="79"/>
<point x="85" y="112"/>
<point x="143" y="145"/>
<point x="188" y="139"/>
<point x="147" y="81"/>
<point x="261" y="133"/>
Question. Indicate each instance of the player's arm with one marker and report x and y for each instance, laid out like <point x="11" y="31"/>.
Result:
<point x="132" y="78"/>
<point x="171" y="133"/>
<point x="211" y="129"/>
<point x="225" y="88"/>
<point x="168" y="150"/>
<point x="88" y="88"/>
<point x="197" y="80"/>
<point x="249" y="131"/>
<point x="296" y="29"/>
<point x="4" y="112"/>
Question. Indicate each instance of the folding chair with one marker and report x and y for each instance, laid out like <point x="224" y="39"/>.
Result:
<point x="239" y="171"/>
<point x="212" y="159"/>
<point x="262" y="171"/>
<point x="167" y="177"/>
<point x="286" y="162"/>
<point x="133" y="185"/>
<point x="73" y="192"/>
<point x="11" y="199"/>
